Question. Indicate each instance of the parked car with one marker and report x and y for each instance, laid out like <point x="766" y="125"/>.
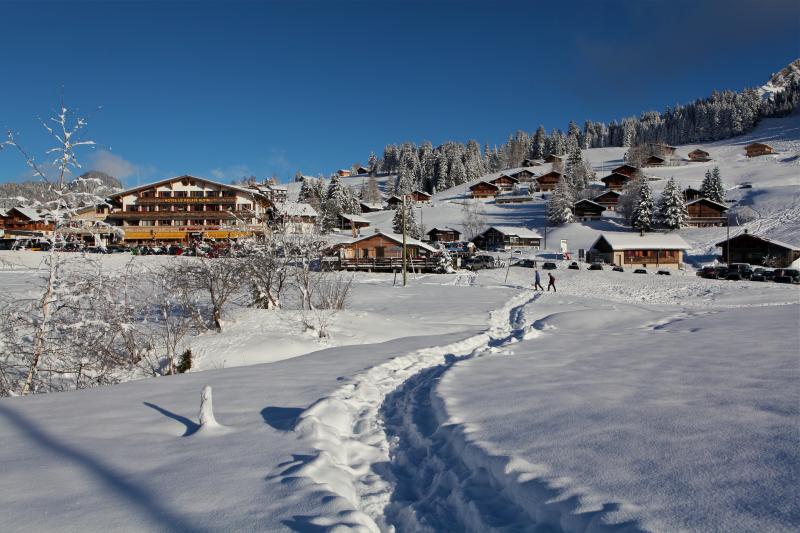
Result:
<point x="96" y="250"/>
<point x="663" y="272"/>
<point x="526" y="263"/>
<point x="733" y="276"/>
<point x="708" y="272"/>
<point x="618" y="269"/>
<point x="574" y="266"/>
<point x="549" y="266"/>
<point x="743" y="269"/>
<point x="116" y="249"/>
<point x="786" y="275"/>
<point x="640" y="271"/>
<point x="595" y="266"/>
<point x="480" y="261"/>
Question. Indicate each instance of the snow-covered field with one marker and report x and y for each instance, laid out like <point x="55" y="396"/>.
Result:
<point x="463" y="402"/>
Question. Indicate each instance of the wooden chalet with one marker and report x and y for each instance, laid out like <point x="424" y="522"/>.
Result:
<point x="394" y="201"/>
<point x="609" y="199"/>
<point x="344" y="173"/>
<point x="691" y="194"/>
<point x="655" y="250"/>
<point x="626" y="170"/>
<point x="384" y="252"/>
<point x="444" y="235"/>
<point x="484" y="189"/>
<point x="655" y="161"/>
<point x="359" y="170"/>
<point x="505" y="183"/>
<point x="699" y="155"/>
<point x="548" y="182"/>
<point x="755" y="250"/>
<point x="704" y="212"/>
<point x="757" y="149"/>
<point x="419" y="197"/>
<point x="615" y="182"/>
<point x="503" y="237"/>
<point x="662" y="150"/>
<point x="523" y="176"/>
<point x="584" y="210"/>
<point x="352" y="221"/>
<point x="295" y="217"/>
<point x="552" y="158"/>
<point x="26" y="219"/>
<point x="513" y="198"/>
<point x="367" y="207"/>
<point x="531" y="163"/>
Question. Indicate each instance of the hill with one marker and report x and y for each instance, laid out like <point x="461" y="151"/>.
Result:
<point x="86" y="187"/>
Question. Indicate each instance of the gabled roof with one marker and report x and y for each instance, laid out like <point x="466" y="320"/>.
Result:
<point x="444" y="228"/>
<point x="587" y="201"/>
<point x="781" y="244"/>
<point x="607" y="193"/>
<point x="550" y="174"/>
<point x="355" y="218"/>
<point x="492" y="185"/>
<point x="707" y="201"/>
<point x="399" y="240"/>
<point x="698" y="151"/>
<point x="295" y="209"/>
<point x="3" y="212"/>
<point x="624" y="167"/>
<point x="649" y="241"/>
<point x="28" y="212"/>
<point x="757" y="144"/>
<point x="178" y="178"/>
<point x="417" y="191"/>
<point x="506" y="176"/>
<point x="518" y="231"/>
<point x="374" y="207"/>
<point x="656" y="157"/>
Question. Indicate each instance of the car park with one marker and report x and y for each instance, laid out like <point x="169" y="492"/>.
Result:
<point x="786" y="275"/>
<point x="480" y="261"/>
<point x="733" y="276"/>
<point x="743" y="269"/>
<point x="549" y="266"/>
<point x="595" y="266"/>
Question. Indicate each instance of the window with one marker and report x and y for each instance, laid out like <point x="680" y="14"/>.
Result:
<point x="165" y="194"/>
<point x="228" y="194"/>
<point x="197" y="194"/>
<point x="147" y="223"/>
<point x="147" y="194"/>
<point x="197" y="222"/>
<point x="181" y="194"/>
<point x="365" y="253"/>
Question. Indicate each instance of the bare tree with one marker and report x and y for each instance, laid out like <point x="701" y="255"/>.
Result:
<point x="220" y="278"/>
<point x="473" y="218"/>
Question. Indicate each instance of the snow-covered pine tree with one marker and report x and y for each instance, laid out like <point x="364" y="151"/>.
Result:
<point x="672" y="211"/>
<point x="539" y="143"/>
<point x="372" y="164"/>
<point x="457" y="174"/>
<point x="559" y="205"/>
<point x="643" y="209"/>
<point x="712" y="187"/>
<point x="412" y="229"/>
<point x="441" y="172"/>
<point x="370" y="192"/>
<point x="404" y="183"/>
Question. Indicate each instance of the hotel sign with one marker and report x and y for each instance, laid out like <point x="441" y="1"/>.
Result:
<point x="189" y="200"/>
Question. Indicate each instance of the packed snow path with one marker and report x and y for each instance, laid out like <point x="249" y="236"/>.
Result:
<point x="383" y="454"/>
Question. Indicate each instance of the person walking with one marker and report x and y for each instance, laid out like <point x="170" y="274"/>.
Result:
<point x="552" y="282"/>
<point x="537" y="286"/>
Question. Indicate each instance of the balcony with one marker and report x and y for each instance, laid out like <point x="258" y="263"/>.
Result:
<point x="182" y="215"/>
<point x="187" y="200"/>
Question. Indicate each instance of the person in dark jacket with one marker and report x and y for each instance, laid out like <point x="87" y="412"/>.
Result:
<point x="552" y="282"/>
<point x="537" y="286"/>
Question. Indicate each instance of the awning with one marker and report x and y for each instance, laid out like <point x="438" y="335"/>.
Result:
<point x="157" y="235"/>
<point x="226" y="234"/>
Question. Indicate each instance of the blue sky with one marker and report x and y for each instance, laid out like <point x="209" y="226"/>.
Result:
<point x="227" y="89"/>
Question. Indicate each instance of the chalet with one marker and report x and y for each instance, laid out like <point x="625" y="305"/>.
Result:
<point x="505" y="183"/>
<point x="484" y="189"/>
<point x="704" y="212"/>
<point x="691" y="194"/>
<point x="367" y="207"/>
<point x="394" y="201"/>
<point x="749" y="248"/>
<point x="184" y="207"/>
<point x="523" y="176"/>
<point x="587" y="210"/>
<point x="359" y="170"/>
<point x="352" y="222"/>
<point x="548" y="182"/>
<point x="626" y="170"/>
<point x="657" y="250"/>
<point x="513" y="198"/>
<point x="531" y="163"/>
<point x="757" y="149"/>
<point x="552" y="158"/>
<point x="655" y="161"/>
<point x="27" y="220"/>
<point x="444" y="235"/>
<point x="615" y="182"/>
<point x="271" y="191"/>
<point x="507" y="237"/>
<point x="419" y="197"/>
<point x="609" y="199"/>
<point x="699" y="155"/>
<point x="344" y="173"/>
<point x="295" y="217"/>
<point x="663" y="150"/>
<point x="384" y="251"/>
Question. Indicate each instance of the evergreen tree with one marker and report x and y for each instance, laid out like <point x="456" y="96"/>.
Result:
<point x="457" y="174"/>
<point x="560" y="203"/>
<point x="712" y="186"/>
<point x="643" y="210"/>
<point x="371" y="193"/>
<point x="441" y="172"/>
<point x="672" y="211"/>
<point x="372" y="164"/>
<point x="539" y="144"/>
<point x="404" y="183"/>
<point x="412" y="229"/>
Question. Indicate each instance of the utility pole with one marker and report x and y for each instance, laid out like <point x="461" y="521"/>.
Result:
<point x="728" y="242"/>
<point x="405" y="274"/>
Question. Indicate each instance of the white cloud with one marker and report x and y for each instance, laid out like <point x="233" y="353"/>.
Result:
<point x="233" y="172"/>
<point x="116" y="166"/>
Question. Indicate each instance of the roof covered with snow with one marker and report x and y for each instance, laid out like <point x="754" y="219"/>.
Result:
<point x="782" y="244"/>
<point x="399" y="240"/>
<point x="519" y="231"/>
<point x="354" y="218"/>
<point x="708" y="201"/>
<point x="178" y="178"/>
<point x="295" y="209"/>
<point x="648" y="241"/>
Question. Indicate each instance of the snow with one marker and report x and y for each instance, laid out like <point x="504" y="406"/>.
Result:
<point x="295" y="209"/>
<point x="524" y="233"/>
